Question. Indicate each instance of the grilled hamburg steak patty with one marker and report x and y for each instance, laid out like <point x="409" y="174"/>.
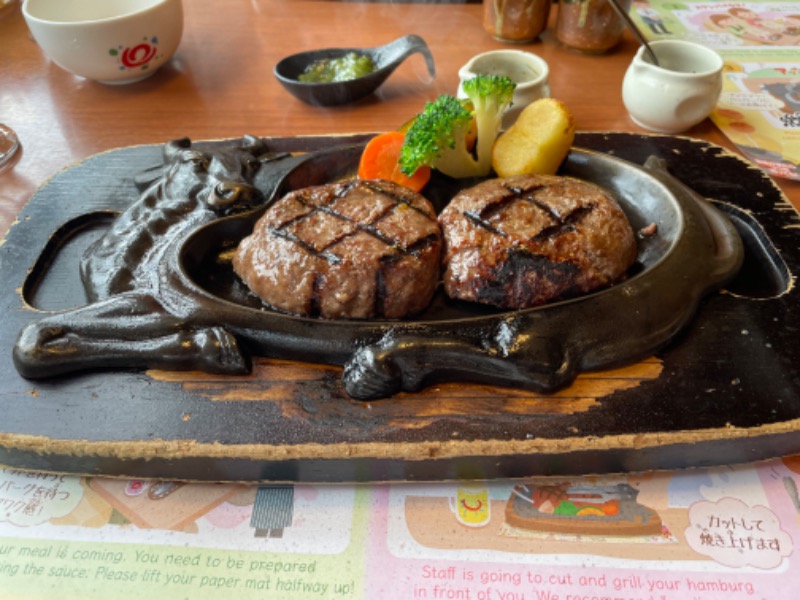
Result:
<point x="356" y="250"/>
<point x="526" y="240"/>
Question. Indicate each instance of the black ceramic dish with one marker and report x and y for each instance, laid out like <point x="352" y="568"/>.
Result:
<point x="386" y="59"/>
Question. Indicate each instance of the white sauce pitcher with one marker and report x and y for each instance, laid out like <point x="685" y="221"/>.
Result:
<point x="677" y="94"/>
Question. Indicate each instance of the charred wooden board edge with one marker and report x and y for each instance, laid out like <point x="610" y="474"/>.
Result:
<point x="416" y="462"/>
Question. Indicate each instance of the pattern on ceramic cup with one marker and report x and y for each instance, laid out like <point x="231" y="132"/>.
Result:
<point x="138" y="56"/>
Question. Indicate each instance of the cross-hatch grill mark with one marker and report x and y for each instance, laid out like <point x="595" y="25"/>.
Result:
<point x="566" y="224"/>
<point x="369" y="228"/>
<point x="314" y="302"/>
<point x="563" y="224"/>
<point x="475" y="219"/>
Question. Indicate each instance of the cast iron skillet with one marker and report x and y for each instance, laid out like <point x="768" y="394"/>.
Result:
<point x="696" y="249"/>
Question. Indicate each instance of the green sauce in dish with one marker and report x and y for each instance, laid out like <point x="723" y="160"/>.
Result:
<point x="350" y="66"/>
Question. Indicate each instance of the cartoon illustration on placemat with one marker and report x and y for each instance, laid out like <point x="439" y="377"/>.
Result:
<point x="694" y="516"/>
<point x="163" y="504"/>
<point x="277" y="517"/>
<point x="655" y="21"/>
<point x="577" y="509"/>
<point x="471" y="505"/>
<point x="546" y="516"/>
<point x="788" y="477"/>
<point x="751" y="27"/>
<point x="723" y="25"/>
<point x="273" y="510"/>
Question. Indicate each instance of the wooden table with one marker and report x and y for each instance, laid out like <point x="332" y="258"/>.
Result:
<point x="220" y="83"/>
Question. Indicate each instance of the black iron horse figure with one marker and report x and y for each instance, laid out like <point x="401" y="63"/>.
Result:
<point x="151" y="304"/>
<point x="125" y="323"/>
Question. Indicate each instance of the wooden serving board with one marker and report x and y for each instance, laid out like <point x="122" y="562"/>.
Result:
<point x="726" y="391"/>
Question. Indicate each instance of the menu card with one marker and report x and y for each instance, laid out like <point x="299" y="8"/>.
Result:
<point x="713" y="533"/>
<point x="759" y="109"/>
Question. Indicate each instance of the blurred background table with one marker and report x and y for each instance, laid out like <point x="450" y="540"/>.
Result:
<point x="220" y="83"/>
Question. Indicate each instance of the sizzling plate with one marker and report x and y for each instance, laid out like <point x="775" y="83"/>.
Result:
<point x="180" y="312"/>
<point x="725" y="390"/>
<point x="695" y="250"/>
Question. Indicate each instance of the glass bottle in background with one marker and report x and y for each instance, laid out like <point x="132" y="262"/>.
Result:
<point x="516" y="21"/>
<point x="9" y="144"/>
<point x="590" y="26"/>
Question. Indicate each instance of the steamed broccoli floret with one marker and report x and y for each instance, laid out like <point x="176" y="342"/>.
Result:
<point x="491" y="95"/>
<point x="438" y="136"/>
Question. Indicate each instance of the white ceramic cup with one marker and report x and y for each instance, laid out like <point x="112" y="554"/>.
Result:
<point x="527" y="70"/>
<point x="677" y="94"/>
<point x="111" y="41"/>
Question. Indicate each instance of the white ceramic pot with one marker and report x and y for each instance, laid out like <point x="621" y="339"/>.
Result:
<point x="527" y="70"/>
<point x="677" y="94"/>
<point x="111" y="41"/>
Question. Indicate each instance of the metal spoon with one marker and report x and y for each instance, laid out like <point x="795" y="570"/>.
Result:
<point x="635" y="30"/>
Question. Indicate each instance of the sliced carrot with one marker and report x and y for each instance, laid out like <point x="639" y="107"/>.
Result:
<point x="380" y="160"/>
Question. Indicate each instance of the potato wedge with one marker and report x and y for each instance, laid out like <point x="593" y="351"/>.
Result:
<point x="537" y="142"/>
